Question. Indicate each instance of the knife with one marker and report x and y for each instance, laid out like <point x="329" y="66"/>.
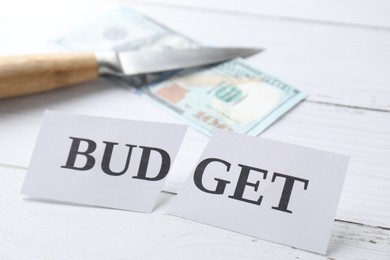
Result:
<point x="22" y="75"/>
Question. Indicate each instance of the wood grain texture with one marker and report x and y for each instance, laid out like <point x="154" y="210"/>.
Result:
<point x="34" y="229"/>
<point x="371" y="13"/>
<point x="335" y="64"/>
<point x="361" y="134"/>
<point x="29" y="74"/>
<point x="338" y="51"/>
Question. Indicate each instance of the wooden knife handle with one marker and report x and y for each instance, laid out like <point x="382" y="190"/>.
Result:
<point x="22" y="75"/>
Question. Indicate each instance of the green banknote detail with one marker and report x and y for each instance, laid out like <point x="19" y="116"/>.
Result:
<point x="232" y="96"/>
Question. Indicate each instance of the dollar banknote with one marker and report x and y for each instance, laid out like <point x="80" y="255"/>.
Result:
<point x="124" y="29"/>
<point x="232" y="95"/>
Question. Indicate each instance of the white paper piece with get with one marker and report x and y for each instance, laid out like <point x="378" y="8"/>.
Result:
<point x="276" y="191"/>
<point x="104" y="162"/>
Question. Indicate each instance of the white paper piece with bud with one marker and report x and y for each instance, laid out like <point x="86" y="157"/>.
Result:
<point x="106" y="162"/>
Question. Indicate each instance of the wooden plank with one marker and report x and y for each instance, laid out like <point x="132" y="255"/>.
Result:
<point x="361" y="134"/>
<point x="316" y="47"/>
<point x="42" y="230"/>
<point x="20" y="118"/>
<point x="373" y="13"/>
<point x="335" y="64"/>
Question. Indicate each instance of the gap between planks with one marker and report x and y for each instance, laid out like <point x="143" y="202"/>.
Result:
<point x="16" y="167"/>
<point x="73" y="227"/>
<point x="342" y="66"/>
<point x="293" y="14"/>
<point x="361" y="134"/>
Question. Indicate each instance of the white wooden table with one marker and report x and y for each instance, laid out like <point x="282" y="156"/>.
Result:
<point x="339" y="51"/>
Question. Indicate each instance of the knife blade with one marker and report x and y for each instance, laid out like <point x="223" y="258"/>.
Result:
<point x="29" y="74"/>
<point x="141" y="62"/>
